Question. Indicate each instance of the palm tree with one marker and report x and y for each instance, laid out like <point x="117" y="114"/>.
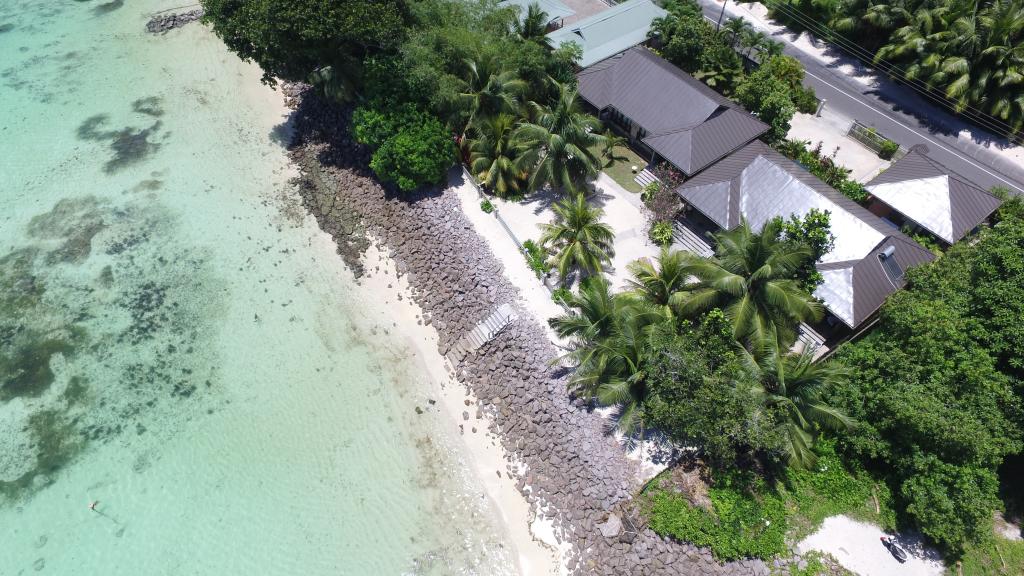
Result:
<point x="982" y="63"/>
<point x="487" y="90"/>
<point x="666" y="283"/>
<point x="580" y="240"/>
<point x="495" y="158"/>
<point x="611" y="142"/>
<point x="559" y="141"/>
<point x="791" y="387"/>
<point x="969" y="52"/>
<point x="593" y="315"/>
<point x="769" y="48"/>
<point x="751" y="39"/>
<point x="751" y="279"/>
<point x="736" y="28"/>
<point x="533" y="26"/>
<point x="609" y="367"/>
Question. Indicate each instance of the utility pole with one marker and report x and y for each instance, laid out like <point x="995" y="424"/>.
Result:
<point x="720" y="16"/>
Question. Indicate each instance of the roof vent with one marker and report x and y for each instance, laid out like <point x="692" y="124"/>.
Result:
<point x="892" y="268"/>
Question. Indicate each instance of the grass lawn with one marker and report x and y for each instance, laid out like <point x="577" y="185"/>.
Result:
<point x="996" y="557"/>
<point x="620" y="169"/>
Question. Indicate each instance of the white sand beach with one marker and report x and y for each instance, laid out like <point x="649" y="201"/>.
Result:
<point x="389" y="302"/>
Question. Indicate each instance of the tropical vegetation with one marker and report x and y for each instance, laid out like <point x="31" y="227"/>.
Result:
<point x="968" y="53"/>
<point x="937" y="386"/>
<point x="923" y="415"/>
<point x="579" y="241"/>
<point x="774" y="91"/>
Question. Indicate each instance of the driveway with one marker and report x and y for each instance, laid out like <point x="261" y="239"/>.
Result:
<point x="858" y="547"/>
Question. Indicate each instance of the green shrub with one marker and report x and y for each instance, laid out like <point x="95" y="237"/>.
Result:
<point x="411" y="146"/>
<point x="661" y="233"/>
<point x="419" y="154"/>
<point x="740" y="524"/>
<point x="831" y="489"/>
<point x="562" y="295"/>
<point x="805" y="99"/>
<point x="374" y="123"/>
<point x="824" y="166"/>
<point x="647" y="194"/>
<point x="994" y="556"/>
<point x="536" y="257"/>
<point x="486" y="206"/>
<point x="889" y="149"/>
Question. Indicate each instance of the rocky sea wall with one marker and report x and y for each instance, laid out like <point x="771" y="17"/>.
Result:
<point x="164" y="22"/>
<point x="576" y="473"/>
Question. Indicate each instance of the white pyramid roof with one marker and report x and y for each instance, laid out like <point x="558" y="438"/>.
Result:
<point x="926" y="198"/>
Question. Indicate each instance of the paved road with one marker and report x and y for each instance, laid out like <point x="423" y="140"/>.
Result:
<point x="901" y="115"/>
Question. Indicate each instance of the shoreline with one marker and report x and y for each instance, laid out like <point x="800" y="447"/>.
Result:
<point x="574" y="475"/>
<point x="488" y="462"/>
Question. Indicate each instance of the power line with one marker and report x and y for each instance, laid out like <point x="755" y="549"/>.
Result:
<point x="892" y="69"/>
<point x="982" y="118"/>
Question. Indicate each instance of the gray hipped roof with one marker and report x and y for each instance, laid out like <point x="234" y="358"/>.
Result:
<point x="756" y="183"/>
<point x="687" y="123"/>
<point x="936" y="198"/>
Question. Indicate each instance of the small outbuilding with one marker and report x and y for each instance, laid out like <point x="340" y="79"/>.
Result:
<point x="920" y="191"/>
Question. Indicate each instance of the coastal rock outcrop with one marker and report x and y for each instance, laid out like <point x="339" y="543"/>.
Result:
<point x="576" y="475"/>
<point x="164" y="22"/>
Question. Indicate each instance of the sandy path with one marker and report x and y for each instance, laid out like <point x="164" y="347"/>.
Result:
<point x="857" y="546"/>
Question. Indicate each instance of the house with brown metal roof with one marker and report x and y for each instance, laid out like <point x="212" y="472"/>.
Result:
<point x="920" y="191"/>
<point x="670" y="113"/>
<point x="869" y="257"/>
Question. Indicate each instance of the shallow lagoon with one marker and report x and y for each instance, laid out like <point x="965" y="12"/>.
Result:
<point x="176" y="343"/>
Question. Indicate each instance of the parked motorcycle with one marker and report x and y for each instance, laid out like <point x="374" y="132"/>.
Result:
<point x="898" y="553"/>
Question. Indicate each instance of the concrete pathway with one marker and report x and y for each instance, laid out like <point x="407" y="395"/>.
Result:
<point x="830" y="130"/>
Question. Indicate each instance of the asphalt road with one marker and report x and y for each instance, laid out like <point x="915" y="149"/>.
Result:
<point x="904" y="116"/>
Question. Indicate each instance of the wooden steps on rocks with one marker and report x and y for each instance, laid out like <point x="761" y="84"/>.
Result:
<point x="484" y="332"/>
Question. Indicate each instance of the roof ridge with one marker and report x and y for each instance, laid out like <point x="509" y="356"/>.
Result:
<point x="950" y="172"/>
<point x="609" y="13"/>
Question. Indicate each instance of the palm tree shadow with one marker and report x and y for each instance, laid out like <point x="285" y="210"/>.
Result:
<point x="542" y="199"/>
<point x="903" y="98"/>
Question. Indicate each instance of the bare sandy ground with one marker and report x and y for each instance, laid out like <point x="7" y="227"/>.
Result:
<point x="857" y="546"/>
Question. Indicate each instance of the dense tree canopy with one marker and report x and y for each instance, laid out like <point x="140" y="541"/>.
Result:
<point x="411" y="147"/>
<point x="934" y="384"/>
<point x="701" y="393"/>
<point x="291" y="39"/>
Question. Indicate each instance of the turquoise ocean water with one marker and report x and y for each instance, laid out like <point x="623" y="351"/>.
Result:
<point x="172" y="343"/>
